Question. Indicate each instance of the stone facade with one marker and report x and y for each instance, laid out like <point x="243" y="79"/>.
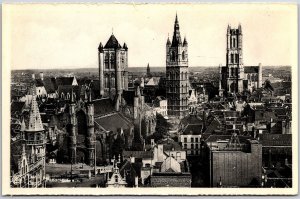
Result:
<point x="177" y="80"/>
<point x="234" y="77"/>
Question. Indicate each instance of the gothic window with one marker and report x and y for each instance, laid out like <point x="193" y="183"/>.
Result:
<point x="106" y="60"/>
<point x="112" y="59"/>
<point x="68" y="96"/>
<point x="255" y="77"/>
<point x="232" y="72"/>
<point x="233" y="42"/>
<point x="172" y="56"/>
<point x="236" y="58"/>
<point x="62" y="95"/>
<point x="231" y="58"/>
<point x="186" y="75"/>
<point x="252" y="77"/>
<point x="183" y="55"/>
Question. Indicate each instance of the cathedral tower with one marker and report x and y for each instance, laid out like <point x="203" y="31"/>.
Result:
<point x="138" y="107"/>
<point x="91" y="138"/>
<point x="113" y="69"/>
<point x="234" y="60"/>
<point x="177" y="85"/>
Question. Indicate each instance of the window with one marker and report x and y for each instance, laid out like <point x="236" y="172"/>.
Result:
<point x="185" y="139"/>
<point x="233" y="42"/>
<point x="197" y="146"/>
<point x="196" y="139"/>
<point x="185" y="146"/>
<point x="236" y="58"/>
<point x="106" y="60"/>
<point x="183" y="55"/>
<point x="112" y="81"/>
<point x="116" y="179"/>
<point x="192" y="146"/>
<point x="231" y="58"/>
<point x="106" y="82"/>
<point x="192" y="139"/>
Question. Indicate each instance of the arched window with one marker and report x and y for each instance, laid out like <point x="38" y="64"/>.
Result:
<point x="252" y="77"/>
<point x="183" y="55"/>
<point x="233" y="42"/>
<point x="106" y="60"/>
<point x="62" y="96"/>
<point x="172" y="56"/>
<point x="68" y="96"/>
<point x="231" y="58"/>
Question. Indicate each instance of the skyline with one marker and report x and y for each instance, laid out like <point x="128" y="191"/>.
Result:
<point x="55" y="40"/>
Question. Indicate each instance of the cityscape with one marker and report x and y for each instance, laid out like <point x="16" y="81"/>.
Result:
<point x="116" y="126"/>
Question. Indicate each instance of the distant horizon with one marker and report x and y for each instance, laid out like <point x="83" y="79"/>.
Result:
<point x="142" y="67"/>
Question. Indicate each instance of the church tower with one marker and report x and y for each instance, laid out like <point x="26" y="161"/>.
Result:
<point x="148" y="71"/>
<point x="35" y="140"/>
<point x="113" y="69"/>
<point x="234" y="60"/>
<point x="177" y="86"/>
<point x="138" y="108"/>
<point x="91" y="138"/>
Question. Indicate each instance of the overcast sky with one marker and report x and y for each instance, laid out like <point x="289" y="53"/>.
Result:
<point x="66" y="36"/>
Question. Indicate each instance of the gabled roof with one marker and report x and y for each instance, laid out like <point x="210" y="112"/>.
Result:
<point x="193" y="129"/>
<point x="35" y="121"/>
<point x="113" y="122"/>
<point x="138" y="154"/>
<point x="112" y="42"/>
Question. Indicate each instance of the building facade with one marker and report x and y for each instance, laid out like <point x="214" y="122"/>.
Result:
<point x="177" y="80"/>
<point x="113" y="68"/>
<point x="234" y="77"/>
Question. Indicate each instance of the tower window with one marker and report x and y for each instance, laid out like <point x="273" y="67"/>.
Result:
<point x="183" y="55"/>
<point x="234" y="42"/>
<point x="236" y="58"/>
<point x="231" y="58"/>
<point x="172" y="56"/>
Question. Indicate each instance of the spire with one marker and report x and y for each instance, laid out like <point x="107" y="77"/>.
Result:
<point x="240" y="28"/>
<point x="35" y="121"/>
<point x="185" y="42"/>
<point x="90" y="96"/>
<point x="100" y="48"/>
<point x="125" y="46"/>
<point x="72" y="97"/>
<point x="23" y="126"/>
<point x="228" y="29"/>
<point x="168" y="41"/>
<point x="176" y="35"/>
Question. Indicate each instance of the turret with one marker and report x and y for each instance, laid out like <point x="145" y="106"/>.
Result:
<point x="125" y="46"/>
<point x="259" y="80"/>
<point x="101" y="69"/>
<point x="90" y="129"/>
<point x="185" y="43"/>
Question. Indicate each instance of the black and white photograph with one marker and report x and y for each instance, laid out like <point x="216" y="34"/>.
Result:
<point x="150" y="99"/>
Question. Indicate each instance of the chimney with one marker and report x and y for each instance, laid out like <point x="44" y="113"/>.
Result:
<point x="42" y="76"/>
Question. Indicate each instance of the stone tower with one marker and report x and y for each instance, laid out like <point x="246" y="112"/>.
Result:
<point x="234" y="60"/>
<point x="73" y="124"/>
<point x="177" y="85"/>
<point x="113" y="69"/>
<point x="138" y="107"/>
<point x="91" y="138"/>
<point x="35" y="141"/>
<point x="148" y="71"/>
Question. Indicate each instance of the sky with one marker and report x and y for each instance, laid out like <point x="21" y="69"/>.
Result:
<point x="67" y="36"/>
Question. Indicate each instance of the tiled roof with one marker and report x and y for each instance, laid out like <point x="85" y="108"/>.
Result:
<point x="113" y="122"/>
<point x="112" y="42"/>
<point x="103" y="106"/>
<point x="35" y="121"/>
<point x="170" y="144"/>
<point x="275" y="139"/>
<point x="215" y="138"/>
<point x="193" y="129"/>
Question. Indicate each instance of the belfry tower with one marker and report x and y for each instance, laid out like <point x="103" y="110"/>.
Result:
<point x="177" y="85"/>
<point x="113" y="69"/>
<point x="234" y="60"/>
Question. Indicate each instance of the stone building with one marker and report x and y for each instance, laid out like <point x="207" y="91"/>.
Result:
<point x="234" y="161"/>
<point x="113" y="69"/>
<point x="235" y="77"/>
<point x="177" y="81"/>
<point x="30" y="170"/>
